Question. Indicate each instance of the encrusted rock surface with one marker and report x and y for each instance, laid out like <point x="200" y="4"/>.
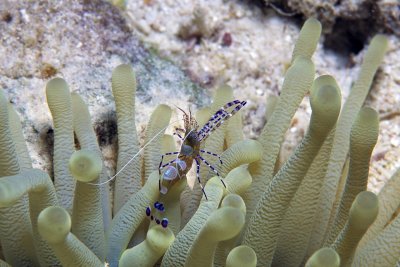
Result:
<point x="261" y="40"/>
<point x="365" y="16"/>
<point x="80" y="41"/>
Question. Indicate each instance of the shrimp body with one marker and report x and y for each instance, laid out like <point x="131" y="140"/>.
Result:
<point x="190" y="149"/>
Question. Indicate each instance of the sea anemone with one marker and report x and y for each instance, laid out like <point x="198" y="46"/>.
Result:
<point x="313" y="209"/>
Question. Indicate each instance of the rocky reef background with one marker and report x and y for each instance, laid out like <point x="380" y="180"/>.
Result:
<point x="181" y="51"/>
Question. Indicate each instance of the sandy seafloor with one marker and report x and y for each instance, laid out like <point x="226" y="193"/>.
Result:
<point x="249" y="48"/>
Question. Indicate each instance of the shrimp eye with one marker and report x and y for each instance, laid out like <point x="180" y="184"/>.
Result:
<point x="186" y="150"/>
<point x="192" y="136"/>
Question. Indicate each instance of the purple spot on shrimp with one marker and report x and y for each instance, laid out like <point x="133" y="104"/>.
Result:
<point x="163" y="190"/>
<point x="157" y="205"/>
<point x="157" y="221"/>
<point x="170" y="173"/>
<point x="164" y="223"/>
<point x="181" y="164"/>
<point x="148" y="211"/>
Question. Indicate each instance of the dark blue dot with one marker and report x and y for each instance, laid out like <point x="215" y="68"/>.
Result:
<point x="159" y="206"/>
<point x="164" y="223"/>
<point x="148" y="211"/>
<point x="151" y="217"/>
<point x="157" y="221"/>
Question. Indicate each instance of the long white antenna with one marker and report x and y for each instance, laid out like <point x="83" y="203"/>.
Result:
<point x="134" y="156"/>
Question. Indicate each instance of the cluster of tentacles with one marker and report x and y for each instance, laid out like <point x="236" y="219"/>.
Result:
<point x="312" y="209"/>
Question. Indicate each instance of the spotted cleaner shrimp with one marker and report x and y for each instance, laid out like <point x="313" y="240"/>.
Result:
<point x="190" y="151"/>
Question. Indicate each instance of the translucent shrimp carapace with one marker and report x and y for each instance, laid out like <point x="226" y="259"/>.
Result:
<point x="190" y="149"/>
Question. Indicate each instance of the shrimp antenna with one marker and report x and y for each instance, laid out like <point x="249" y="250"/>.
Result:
<point x="180" y="109"/>
<point x="134" y="156"/>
